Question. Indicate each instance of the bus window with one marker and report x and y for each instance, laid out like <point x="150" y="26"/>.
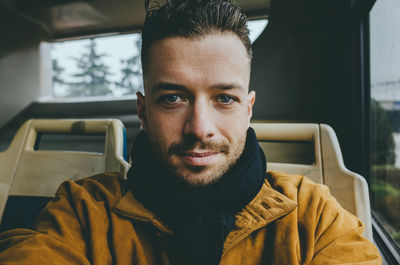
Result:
<point x="385" y="114"/>
<point x="93" y="67"/>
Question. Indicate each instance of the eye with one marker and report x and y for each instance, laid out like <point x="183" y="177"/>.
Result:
<point x="225" y="99"/>
<point x="171" y="98"/>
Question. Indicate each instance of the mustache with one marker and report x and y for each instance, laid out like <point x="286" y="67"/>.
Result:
<point x="189" y="144"/>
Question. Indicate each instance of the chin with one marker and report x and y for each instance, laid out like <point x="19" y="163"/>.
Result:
<point x="198" y="179"/>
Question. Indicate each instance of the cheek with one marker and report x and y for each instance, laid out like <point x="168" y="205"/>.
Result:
<point x="233" y="125"/>
<point x="164" y="125"/>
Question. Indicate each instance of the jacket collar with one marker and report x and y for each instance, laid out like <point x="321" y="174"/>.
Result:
<point x="131" y="208"/>
<point x="266" y="207"/>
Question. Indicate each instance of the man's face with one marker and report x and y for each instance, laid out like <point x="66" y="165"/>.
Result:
<point x="197" y="108"/>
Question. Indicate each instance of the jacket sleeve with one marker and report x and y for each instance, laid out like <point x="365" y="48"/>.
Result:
<point x="58" y="238"/>
<point x="338" y="236"/>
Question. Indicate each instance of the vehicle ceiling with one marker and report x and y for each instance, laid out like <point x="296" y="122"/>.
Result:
<point x="63" y="19"/>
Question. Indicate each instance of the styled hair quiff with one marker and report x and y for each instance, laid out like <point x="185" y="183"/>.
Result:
<point x="191" y="19"/>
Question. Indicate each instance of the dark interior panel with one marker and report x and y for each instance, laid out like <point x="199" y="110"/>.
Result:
<point x="306" y="69"/>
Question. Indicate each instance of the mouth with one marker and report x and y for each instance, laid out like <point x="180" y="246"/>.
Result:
<point x="199" y="158"/>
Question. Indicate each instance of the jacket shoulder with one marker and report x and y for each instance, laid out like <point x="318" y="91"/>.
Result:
<point x="313" y="200"/>
<point x="328" y="233"/>
<point x="101" y="187"/>
<point x="297" y="187"/>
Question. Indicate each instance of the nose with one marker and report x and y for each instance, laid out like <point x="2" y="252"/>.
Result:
<point x="199" y="122"/>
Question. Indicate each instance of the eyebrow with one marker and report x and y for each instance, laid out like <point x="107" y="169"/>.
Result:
<point x="167" y="86"/>
<point x="170" y="86"/>
<point x="226" y="86"/>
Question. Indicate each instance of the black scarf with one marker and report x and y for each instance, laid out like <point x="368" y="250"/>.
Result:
<point x="201" y="217"/>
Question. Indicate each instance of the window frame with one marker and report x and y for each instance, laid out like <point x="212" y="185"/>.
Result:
<point x="388" y="248"/>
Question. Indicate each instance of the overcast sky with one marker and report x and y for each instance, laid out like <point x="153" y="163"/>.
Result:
<point x="385" y="41"/>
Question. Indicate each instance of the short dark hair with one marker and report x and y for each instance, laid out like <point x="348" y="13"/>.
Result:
<point x="191" y="19"/>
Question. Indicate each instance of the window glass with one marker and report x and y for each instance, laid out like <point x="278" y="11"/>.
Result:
<point x="105" y="66"/>
<point x="385" y="114"/>
<point x="256" y="27"/>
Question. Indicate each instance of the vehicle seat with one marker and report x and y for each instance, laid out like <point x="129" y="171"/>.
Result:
<point x="313" y="150"/>
<point x="30" y="176"/>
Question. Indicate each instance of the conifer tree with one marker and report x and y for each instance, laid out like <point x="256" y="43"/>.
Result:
<point x="57" y="72"/>
<point x="92" y="78"/>
<point x="59" y="84"/>
<point x="131" y="80"/>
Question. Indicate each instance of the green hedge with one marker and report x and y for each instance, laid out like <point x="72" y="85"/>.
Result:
<point x="382" y="142"/>
<point x="387" y="173"/>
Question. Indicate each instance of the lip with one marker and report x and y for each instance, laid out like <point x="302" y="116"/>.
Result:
<point x="199" y="158"/>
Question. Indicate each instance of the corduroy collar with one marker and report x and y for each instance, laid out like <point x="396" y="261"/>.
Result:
<point x="266" y="207"/>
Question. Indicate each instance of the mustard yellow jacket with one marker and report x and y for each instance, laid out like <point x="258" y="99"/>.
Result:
<point x="98" y="221"/>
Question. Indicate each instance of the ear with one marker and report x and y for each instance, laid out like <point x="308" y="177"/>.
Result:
<point x="141" y="110"/>
<point x="251" y="97"/>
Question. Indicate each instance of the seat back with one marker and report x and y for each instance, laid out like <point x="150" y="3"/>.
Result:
<point x="319" y="142"/>
<point x="27" y="171"/>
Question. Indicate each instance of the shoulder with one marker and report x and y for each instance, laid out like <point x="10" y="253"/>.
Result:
<point x="317" y="210"/>
<point x="102" y="187"/>
<point x="327" y="233"/>
<point x="297" y="187"/>
<point x="314" y="200"/>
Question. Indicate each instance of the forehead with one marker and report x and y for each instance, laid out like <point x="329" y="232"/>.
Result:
<point x="215" y="58"/>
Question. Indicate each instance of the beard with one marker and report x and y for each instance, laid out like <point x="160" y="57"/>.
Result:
<point x="199" y="175"/>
